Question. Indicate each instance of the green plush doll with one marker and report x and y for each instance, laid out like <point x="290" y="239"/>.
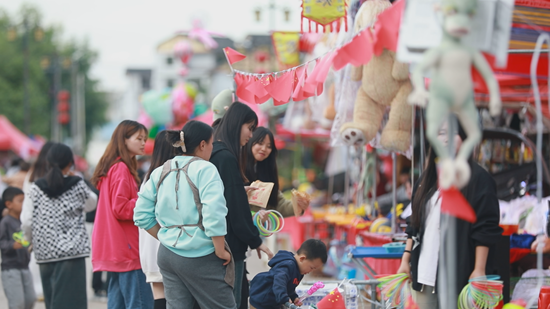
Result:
<point x="451" y="90"/>
<point x="221" y="103"/>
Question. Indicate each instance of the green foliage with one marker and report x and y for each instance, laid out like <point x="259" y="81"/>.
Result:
<point x="42" y="55"/>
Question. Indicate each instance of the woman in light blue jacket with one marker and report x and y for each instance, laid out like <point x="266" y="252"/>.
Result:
<point x="183" y="206"/>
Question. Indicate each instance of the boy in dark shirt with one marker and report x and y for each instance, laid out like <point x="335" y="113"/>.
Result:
<point x="271" y="290"/>
<point x="16" y="278"/>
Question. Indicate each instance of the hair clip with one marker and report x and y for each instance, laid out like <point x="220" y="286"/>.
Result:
<point x="181" y="142"/>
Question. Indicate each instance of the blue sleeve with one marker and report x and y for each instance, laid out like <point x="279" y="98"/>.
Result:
<point x="214" y="208"/>
<point x="144" y="212"/>
<point x="280" y="282"/>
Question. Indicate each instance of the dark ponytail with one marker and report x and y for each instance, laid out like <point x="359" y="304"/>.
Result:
<point x="59" y="157"/>
<point x="194" y="132"/>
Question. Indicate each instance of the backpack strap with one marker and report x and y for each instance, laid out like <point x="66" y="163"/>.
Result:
<point x="166" y="169"/>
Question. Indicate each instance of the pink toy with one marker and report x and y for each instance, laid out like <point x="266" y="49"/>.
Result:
<point x="318" y="285"/>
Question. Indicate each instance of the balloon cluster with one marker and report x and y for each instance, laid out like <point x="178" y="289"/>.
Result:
<point x="183" y="51"/>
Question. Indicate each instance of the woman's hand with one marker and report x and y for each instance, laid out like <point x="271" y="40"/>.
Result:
<point x="477" y="273"/>
<point x="303" y="204"/>
<point x="265" y="249"/>
<point x="297" y="302"/>
<point x="249" y="188"/>
<point x="545" y="242"/>
<point x="263" y="215"/>
<point x="404" y="268"/>
<point x="224" y="255"/>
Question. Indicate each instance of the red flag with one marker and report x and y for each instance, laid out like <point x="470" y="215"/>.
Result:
<point x="323" y="71"/>
<point x="298" y="94"/>
<point x="233" y="55"/>
<point x="387" y="28"/>
<point x="281" y="88"/>
<point x="244" y="94"/>
<point x="334" y="300"/>
<point x="454" y="203"/>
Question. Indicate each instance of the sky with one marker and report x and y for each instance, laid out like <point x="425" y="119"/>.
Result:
<point x="126" y="32"/>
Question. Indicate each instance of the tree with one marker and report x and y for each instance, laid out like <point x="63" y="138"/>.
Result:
<point x="45" y="46"/>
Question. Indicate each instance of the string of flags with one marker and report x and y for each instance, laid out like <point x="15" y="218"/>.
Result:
<point x="298" y="83"/>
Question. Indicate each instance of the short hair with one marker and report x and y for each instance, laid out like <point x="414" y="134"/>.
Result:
<point x="10" y="193"/>
<point x="314" y="249"/>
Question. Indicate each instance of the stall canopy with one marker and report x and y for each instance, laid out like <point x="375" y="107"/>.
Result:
<point x="13" y="139"/>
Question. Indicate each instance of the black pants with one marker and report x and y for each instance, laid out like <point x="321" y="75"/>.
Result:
<point x="245" y="291"/>
<point x="64" y="284"/>
<point x="97" y="281"/>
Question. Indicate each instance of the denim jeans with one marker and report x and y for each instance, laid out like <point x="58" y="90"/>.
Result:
<point x="129" y="290"/>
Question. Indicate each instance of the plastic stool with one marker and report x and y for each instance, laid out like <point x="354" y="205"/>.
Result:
<point x="544" y="297"/>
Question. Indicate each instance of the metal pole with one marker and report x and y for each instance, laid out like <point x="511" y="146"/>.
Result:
<point x="271" y="15"/>
<point x="26" y="103"/>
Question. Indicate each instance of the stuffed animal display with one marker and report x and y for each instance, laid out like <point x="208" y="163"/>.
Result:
<point x="451" y="90"/>
<point x="221" y="103"/>
<point x="385" y="83"/>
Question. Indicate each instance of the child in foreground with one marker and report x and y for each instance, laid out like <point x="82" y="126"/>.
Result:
<point x="16" y="278"/>
<point x="274" y="288"/>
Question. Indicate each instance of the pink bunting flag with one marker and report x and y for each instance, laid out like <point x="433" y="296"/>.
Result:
<point x="387" y="28"/>
<point x="242" y="92"/>
<point x="258" y="89"/>
<point x="325" y="68"/>
<point x="310" y="85"/>
<point x="280" y="89"/>
<point x="298" y="94"/>
<point x="357" y="52"/>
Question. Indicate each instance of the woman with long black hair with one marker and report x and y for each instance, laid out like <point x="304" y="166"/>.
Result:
<point x="261" y="165"/>
<point x="229" y="156"/>
<point x="54" y="221"/>
<point x="475" y="242"/>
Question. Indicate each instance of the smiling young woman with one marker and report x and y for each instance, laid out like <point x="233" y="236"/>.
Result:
<point x="115" y="238"/>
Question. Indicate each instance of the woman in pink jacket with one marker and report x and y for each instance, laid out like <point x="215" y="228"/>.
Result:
<point x="115" y="238"/>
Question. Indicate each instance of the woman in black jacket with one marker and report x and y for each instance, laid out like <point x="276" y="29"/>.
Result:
<point x="475" y="242"/>
<point x="231" y="135"/>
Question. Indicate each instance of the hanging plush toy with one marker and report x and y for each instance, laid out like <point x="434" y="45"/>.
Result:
<point x="451" y="90"/>
<point x="385" y="82"/>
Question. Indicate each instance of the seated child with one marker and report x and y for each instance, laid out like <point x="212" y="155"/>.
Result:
<point x="16" y="278"/>
<point x="278" y="286"/>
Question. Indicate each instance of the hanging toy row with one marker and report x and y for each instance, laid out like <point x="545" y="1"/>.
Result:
<point x="272" y="225"/>
<point x="481" y="293"/>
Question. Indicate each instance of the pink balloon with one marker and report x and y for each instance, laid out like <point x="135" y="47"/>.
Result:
<point x="183" y="51"/>
<point x="182" y="104"/>
<point x="144" y="119"/>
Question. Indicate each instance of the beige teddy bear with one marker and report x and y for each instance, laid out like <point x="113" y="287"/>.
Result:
<point x="385" y="83"/>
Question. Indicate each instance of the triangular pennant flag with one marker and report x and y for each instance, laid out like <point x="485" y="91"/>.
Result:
<point x="281" y="88"/>
<point x="233" y="55"/>
<point x="242" y="82"/>
<point x="454" y="203"/>
<point x="333" y="300"/>
<point x="387" y="28"/>
<point x="340" y="59"/>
